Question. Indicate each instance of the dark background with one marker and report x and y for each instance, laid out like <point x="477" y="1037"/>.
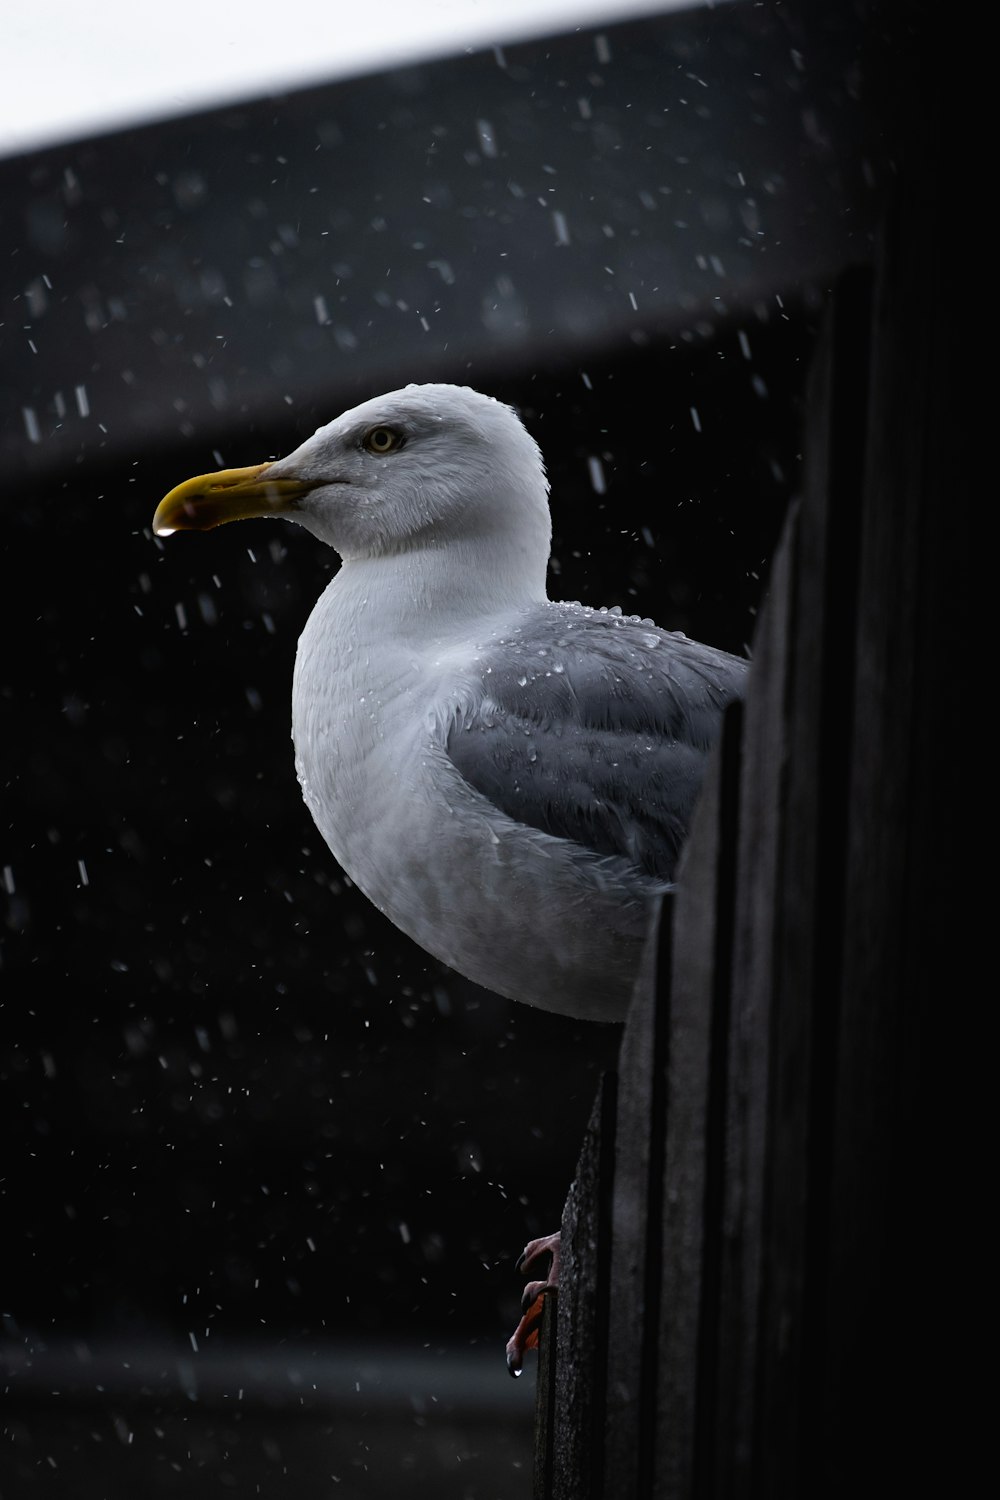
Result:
<point x="242" y="1112"/>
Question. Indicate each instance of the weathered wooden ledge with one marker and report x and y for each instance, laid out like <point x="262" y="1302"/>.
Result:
<point x="743" y="1255"/>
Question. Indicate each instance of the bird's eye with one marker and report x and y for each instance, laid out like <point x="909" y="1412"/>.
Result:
<point x="382" y="439"/>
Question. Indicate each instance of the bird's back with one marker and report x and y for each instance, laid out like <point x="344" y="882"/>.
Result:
<point x="596" y="727"/>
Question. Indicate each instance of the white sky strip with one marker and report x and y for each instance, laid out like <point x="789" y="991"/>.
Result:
<point x="72" y="70"/>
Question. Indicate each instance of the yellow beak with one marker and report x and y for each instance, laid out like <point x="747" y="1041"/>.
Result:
<point x="210" y="500"/>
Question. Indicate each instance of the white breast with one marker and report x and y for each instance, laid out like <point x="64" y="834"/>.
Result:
<point x="533" y="917"/>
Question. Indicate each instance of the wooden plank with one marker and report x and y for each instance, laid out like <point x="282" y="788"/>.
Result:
<point x="697" y="1018"/>
<point x="726" y="1367"/>
<point x="545" y="1403"/>
<point x="575" y="1327"/>
<point x="583" y="1309"/>
<point x="810" y="929"/>
<point x="634" y="1277"/>
<point x="897" y="1182"/>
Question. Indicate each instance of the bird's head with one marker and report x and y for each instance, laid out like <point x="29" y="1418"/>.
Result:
<point x="421" y="467"/>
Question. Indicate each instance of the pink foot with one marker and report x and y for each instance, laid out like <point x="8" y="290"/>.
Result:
<point x="525" y="1335"/>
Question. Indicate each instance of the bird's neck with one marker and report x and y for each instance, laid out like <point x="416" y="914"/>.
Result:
<point x="434" y="593"/>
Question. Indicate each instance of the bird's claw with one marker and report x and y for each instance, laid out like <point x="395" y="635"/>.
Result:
<point x="534" y="1290"/>
<point x="525" y="1335"/>
<point x="547" y="1245"/>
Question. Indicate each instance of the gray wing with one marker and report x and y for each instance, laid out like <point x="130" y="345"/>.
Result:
<point x="596" y="727"/>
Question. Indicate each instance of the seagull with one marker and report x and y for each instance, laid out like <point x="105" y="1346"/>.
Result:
<point x="508" y="778"/>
